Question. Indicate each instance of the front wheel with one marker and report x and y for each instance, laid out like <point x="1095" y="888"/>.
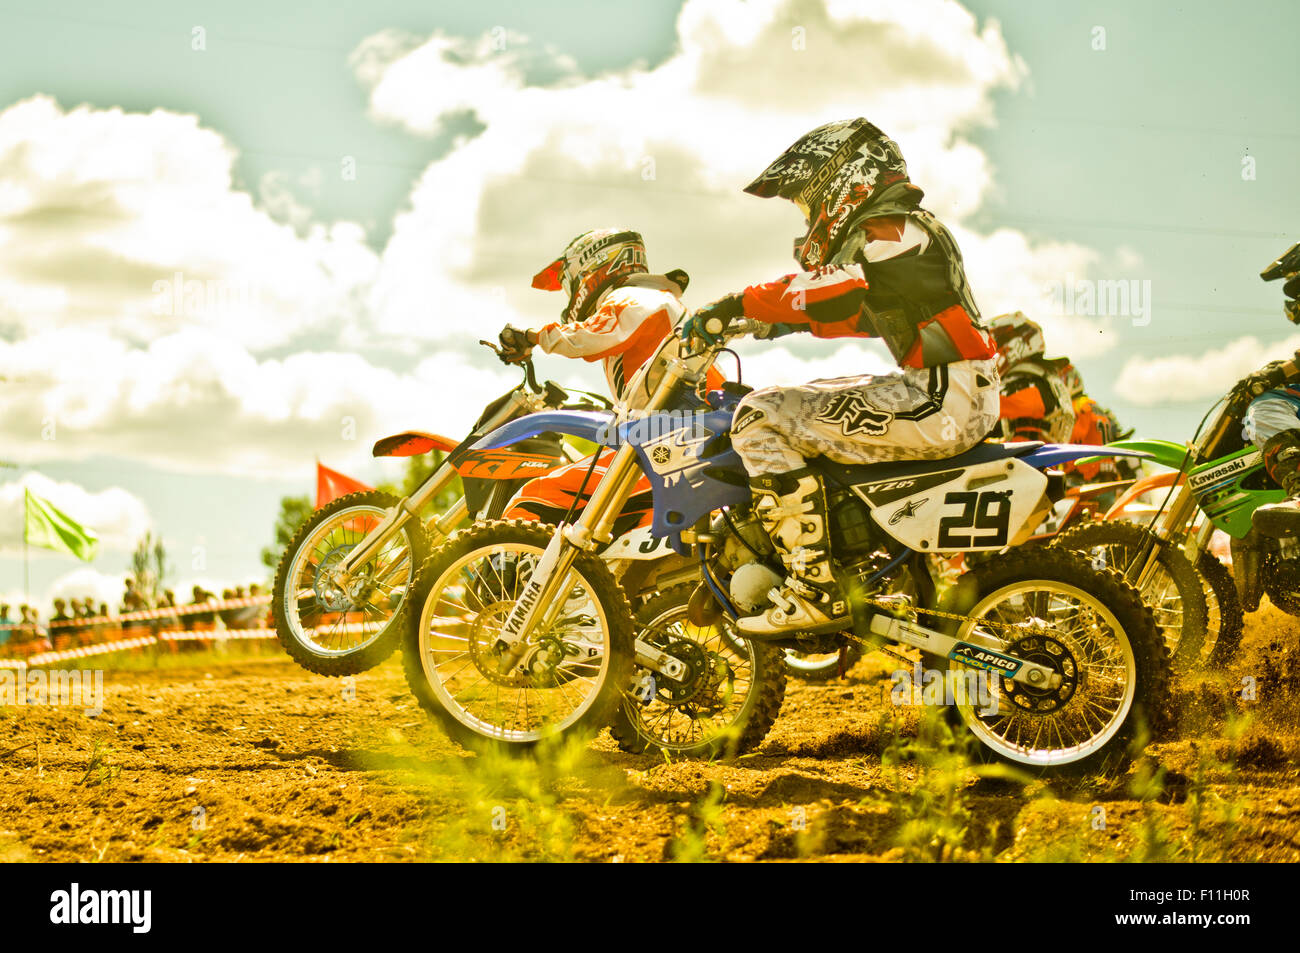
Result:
<point x="1087" y="625"/>
<point x="570" y="674"/>
<point x="1174" y="590"/>
<point x="334" y="628"/>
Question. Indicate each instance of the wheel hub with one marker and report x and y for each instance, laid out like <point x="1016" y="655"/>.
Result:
<point x="486" y="648"/>
<point x="340" y="598"/>
<point x="540" y="666"/>
<point x="1050" y="653"/>
<point x="698" y="691"/>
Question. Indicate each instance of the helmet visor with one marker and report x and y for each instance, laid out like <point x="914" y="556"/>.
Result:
<point x="548" y="279"/>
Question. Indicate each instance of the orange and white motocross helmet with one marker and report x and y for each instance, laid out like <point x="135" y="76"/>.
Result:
<point x="831" y="174"/>
<point x="591" y="263"/>
<point x="1017" y="339"/>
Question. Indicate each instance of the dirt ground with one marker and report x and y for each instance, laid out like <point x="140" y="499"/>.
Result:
<point x="255" y="759"/>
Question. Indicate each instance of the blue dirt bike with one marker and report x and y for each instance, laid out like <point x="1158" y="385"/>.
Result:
<point x="520" y="634"/>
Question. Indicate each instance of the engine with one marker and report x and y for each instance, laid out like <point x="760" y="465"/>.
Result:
<point x="746" y="554"/>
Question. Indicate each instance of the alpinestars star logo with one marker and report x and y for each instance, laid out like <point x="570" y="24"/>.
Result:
<point x="908" y="511"/>
<point x="855" y="415"/>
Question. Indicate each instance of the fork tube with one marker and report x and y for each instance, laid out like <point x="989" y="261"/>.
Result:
<point x="595" y="524"/>
<point x="410" y="506"/>
<point x="590" y="529"/>
<point x="396" y="518"/>
<point x="1172" y="532"/>
<point x="441" y="528"/>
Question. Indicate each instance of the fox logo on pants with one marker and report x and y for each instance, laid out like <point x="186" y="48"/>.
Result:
<point x="856" y="415"/>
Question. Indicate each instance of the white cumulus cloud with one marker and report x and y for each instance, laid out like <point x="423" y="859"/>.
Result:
<point x="1186" y="378"/>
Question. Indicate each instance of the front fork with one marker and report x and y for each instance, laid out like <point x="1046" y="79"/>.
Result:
<point x="396" y="518"/>
<point x="1174" y="530"/>
<point x="544" y="596"/>
<point x="409" y="507"/>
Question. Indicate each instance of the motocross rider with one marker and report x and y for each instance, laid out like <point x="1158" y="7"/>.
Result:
<point x="1272" y="423"/>
<point x="1035" y="402"/>
<point x="875" y="264"/>
<point x="1094" y="424"/>
<point x="617" y="313"/>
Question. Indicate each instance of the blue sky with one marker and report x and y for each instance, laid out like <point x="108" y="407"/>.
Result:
<point x="1056" y="158"/>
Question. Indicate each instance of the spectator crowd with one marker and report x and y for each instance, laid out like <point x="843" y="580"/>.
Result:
<point x="78" y="622"/>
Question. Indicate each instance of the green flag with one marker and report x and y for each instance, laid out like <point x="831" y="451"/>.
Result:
<point x="47" y="527"/>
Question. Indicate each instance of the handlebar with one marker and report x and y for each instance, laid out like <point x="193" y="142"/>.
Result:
<point x="554" y="394"/>
<point x="530" y="375"/>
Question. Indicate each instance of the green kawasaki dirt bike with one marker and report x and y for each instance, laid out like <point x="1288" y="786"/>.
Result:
<point x="521" y="634"/>
<point x="1222" y="481"/>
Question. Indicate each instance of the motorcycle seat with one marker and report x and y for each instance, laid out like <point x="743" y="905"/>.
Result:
<point x="851" y="474"/>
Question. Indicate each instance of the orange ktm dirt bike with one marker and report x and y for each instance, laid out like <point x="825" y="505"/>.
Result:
<point x="341" y="585"/>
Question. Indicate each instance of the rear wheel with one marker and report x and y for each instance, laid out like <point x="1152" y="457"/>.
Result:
<point x="571" y="672"/>
<point x="334" y="628"/>
<point x="1091" y="628"/>
<point x="1174" y="592"/>
<point x="728" y="701"/>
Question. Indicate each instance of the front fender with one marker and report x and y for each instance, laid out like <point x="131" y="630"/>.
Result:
<point x="593" y="426"/>
<point x="1147" y="484"/>
<point x="1164" y="452"/>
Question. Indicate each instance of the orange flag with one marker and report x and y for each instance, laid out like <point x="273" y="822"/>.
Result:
<point x="330" y="485"/>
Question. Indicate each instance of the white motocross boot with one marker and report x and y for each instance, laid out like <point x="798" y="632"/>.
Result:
<point x="792" y="508"/>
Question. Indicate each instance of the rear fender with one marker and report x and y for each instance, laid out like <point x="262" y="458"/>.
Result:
<point x="1054" y="454"/>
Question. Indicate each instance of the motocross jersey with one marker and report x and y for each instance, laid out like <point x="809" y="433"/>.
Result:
<point x="626" y="330"/>
<point x="1036" y="403"/>
<point x="897" y="277"/>
<point x="1094" y="424"/>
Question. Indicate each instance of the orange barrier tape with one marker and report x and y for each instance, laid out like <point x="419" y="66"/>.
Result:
<point x="182" y="635"/>
<point x="188" y="609"/>
<point x="101" y="648"/>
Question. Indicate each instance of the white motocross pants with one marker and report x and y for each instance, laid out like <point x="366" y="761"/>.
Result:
<point x="913" y="414"/>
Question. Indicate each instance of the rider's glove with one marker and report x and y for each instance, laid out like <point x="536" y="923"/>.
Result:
<point x="1265" y="379"/>
<point x="516" y="344"/>
<point x="710" y="321"/>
